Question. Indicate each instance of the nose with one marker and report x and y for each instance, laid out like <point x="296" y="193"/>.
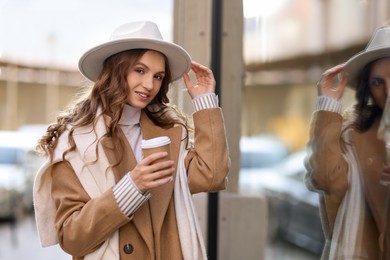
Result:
<point x="148" y="83"/>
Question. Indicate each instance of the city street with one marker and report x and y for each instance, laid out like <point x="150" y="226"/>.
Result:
<point x="21" y="243"/>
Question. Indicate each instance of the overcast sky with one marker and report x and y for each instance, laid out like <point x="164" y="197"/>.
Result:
<point x="58" y="31"/>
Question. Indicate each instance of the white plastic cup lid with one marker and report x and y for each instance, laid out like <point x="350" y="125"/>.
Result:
<point x="155" y="142"/>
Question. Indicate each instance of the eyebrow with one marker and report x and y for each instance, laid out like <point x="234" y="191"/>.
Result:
<point x="146" y="66"/>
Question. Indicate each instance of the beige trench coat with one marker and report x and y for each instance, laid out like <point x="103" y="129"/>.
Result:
<point x="327" y="173"/>
<point x="151" y="233"/>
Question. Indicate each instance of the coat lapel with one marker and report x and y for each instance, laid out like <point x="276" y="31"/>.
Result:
<point x="162" y="195"/>
<point x="142" y="217"/>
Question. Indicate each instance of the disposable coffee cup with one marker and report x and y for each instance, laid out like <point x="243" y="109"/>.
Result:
<point x="154" y="145"/>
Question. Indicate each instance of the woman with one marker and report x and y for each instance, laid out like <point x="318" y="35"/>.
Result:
<point x="96" y="195"/>
<point x="346" y="158"/>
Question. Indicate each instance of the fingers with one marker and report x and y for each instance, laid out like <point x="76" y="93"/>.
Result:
<point x="326" y="83"/>
<point x="386" y="168"/>
<point x="151" y="173"/>
<point x="205" y="82"/>
<point x="335" y="70"/>
<point x="328" y="76"/>
<point x="342" y="84"/>
<point x="156" y="179"/>
<point x="385" y="175"/>
<point x="187" y="80"/>
<point x="201" y="71"/>
<point x="153" y="157"/>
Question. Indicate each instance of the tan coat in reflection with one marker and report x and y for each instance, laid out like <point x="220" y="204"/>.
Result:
<point x="328" y="174"/>
<point x="151" y="233"/>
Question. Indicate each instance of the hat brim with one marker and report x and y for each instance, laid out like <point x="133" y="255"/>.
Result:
<point x="355" y="65"/>
<point x="91" y="63"/>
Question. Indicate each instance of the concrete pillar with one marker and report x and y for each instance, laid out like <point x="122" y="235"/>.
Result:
<point x="242" y="219"/>
<point x="192" y="31"/>
<point x="232" y="77"/>
<point x="243" y="223"/>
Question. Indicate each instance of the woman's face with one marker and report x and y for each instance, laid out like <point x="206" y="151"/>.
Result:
<point x="379" y="81"/>
<point x="145" y="78"/>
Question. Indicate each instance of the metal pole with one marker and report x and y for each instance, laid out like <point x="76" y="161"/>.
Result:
<point x="213" y="198"/>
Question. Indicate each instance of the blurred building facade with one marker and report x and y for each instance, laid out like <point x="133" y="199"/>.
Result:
<point x="285" y="53"/>
<point x="34" y="95"/>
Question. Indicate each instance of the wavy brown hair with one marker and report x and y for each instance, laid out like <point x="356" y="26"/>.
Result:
<point x="365" y="109"/>
<point x="109" y="93"/>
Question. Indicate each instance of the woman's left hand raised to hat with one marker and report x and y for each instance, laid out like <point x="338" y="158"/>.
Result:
<point x="325" y="84"/>
<point x="204" y="78"/>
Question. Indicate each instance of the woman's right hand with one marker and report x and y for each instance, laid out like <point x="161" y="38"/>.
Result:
<point x="385" y="178"/>
<point x="148" y="175"/>
<point x="325" y="84"/>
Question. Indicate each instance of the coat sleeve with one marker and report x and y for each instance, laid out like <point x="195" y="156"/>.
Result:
<point x="82" y="223"/>
<point x="208" y="162"/>
<point x="327" y="168"/>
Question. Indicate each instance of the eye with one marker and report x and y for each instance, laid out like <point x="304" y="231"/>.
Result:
<point x="376" y="83"/>
<point x="159" y="76"/>
<point x="140" y="71"/>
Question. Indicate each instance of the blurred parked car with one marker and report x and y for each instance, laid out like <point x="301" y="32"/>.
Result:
<point x="18" y="165"/>
<point x="261" y="151"/>
<point x="33" y="160"/>
<point x="293" y="209"/>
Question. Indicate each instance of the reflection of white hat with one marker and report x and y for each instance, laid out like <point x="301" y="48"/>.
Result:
<point x="378" y="47"/>
<point x="135" y="35"/>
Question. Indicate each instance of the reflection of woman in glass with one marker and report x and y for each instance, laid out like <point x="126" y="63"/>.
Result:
<point x="96" y="195"/>
<point x="346" y="157"/>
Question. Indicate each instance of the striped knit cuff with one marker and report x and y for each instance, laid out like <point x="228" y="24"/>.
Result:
<point x="205" y="101"/>
<point x="128" y="196"/>
<point x="329" y="104"/>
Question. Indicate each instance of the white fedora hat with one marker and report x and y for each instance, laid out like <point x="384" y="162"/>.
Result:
<point x="378" y="47"/>
<point x="135" y="35"/>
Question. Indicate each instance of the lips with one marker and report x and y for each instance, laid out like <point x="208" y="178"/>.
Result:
<point x="142" y="95"/>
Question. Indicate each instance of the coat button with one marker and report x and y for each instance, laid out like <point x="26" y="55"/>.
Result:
<point x="128" y="249"/>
